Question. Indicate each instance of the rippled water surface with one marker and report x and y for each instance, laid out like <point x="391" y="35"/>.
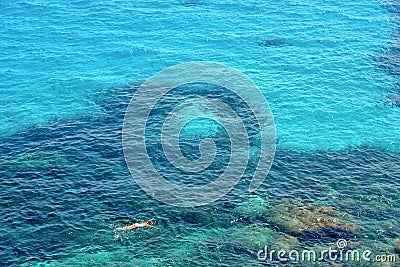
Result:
<point x="329" y="71"/>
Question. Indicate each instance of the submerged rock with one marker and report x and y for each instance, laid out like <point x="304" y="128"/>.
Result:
<point x="256" y="237"/>
<point x="253" y="208"/>
<point x="297" y="217"/>
<point x="397" y="245"/>
<point x="253" y="236"/>
<point x="39" y="158"/>
<point x="285" y="242"/>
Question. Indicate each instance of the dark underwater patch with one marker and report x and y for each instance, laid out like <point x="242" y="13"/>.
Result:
<point x="274" y="42"/>
<point x="189" y="3"/>
<point x="390" y="60"/>
<point x="393" y="97"/>
<point x="324" y="236"/>
<point x="190" y="146"/>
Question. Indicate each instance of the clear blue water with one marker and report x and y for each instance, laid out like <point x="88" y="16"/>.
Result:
<point x="67" y="71"/>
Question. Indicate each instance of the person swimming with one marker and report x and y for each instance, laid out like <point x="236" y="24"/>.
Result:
<point x="148" y="223"/>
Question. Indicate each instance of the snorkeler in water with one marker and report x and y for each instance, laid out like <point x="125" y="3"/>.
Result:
<point x="148" y="223"/>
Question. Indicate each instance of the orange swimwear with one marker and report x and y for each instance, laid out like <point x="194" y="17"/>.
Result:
<point x="148" y="223"/>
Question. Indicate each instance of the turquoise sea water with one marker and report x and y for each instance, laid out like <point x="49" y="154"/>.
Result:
<point x="322" y="84"/>
<point x="68" y="70"/>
